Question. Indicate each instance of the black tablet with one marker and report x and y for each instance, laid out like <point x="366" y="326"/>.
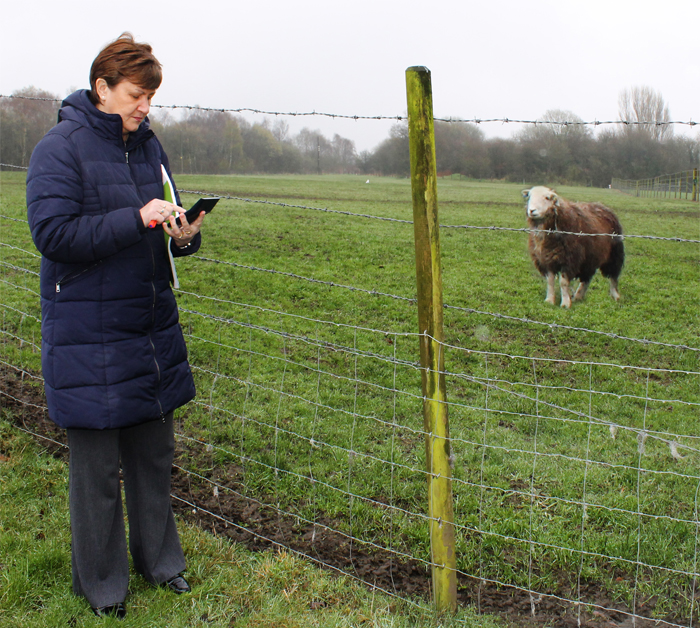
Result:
<point x="203" y="204"/>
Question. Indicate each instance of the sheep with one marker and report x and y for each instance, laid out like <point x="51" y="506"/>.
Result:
<point x="555" y="250"/>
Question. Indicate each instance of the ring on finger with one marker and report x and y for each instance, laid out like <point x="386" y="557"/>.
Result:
<point x="188" y="233"/>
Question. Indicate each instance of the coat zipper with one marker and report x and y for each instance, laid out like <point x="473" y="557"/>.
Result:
<point x="153" y="314"/>
<point x="68" y="277"/>
<point x="150" y="338"/>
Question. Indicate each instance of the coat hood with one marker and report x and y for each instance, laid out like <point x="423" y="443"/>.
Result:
<point x="78" y="108"/>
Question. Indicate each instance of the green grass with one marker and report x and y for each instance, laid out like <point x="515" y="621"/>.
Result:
<point x="231" y="586"/>
<point x="285" y="396"/>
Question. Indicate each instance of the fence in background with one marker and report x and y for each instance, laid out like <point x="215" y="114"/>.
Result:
<point x="680" y="185"/>
<point x="311" y="425"/>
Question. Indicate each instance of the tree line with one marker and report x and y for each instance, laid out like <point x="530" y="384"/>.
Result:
<point x="216" y="142"/>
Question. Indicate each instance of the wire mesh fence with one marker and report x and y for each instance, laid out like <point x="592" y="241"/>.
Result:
<point x="573" y="447"/>
<point x="679" y="185"/>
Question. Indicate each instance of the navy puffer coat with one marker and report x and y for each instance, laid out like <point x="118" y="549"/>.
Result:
<point x="113" y="353"/>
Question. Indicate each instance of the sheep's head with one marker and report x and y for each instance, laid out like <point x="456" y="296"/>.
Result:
<point x="541" y="201"/>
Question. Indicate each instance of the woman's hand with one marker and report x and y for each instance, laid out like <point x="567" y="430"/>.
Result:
<point x="185" y="232"/>
<point x="158" y="210"/>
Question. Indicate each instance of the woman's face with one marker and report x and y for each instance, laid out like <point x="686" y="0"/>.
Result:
<point x="130" y="101"/>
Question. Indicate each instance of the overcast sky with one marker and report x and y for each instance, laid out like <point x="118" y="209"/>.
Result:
<point x="488" y="59"/>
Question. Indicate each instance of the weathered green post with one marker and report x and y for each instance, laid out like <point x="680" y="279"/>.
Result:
<point x="426" y="231"/>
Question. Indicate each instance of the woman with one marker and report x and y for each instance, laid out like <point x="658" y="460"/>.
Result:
<point x="113" y="354"/>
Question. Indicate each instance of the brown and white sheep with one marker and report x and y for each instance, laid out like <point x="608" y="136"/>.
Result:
<point x="555" y="249"/>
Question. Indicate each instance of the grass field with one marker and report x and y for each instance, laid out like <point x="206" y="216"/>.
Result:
<point x="574" y="443"/>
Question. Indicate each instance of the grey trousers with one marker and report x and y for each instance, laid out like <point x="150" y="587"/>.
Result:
<point x="99" y="554"/>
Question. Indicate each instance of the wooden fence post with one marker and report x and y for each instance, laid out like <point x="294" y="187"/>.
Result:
<point x="421" y="137"/>
<point x="695" y="184"/>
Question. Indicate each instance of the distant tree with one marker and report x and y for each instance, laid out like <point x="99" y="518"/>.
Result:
<point x="645" y="105"/>
<point x="202" y="142"/>
<point x="262" y="148"/>
<point x="557" y="148"/>
<point x="337" y="155"/>
<point x="24" y="120"/>
<point x="392" y="156"/>
<point x="344" y="154"/>
<point x="559" y="123"/>
<point x="460" y="148"/>
<point x="502" y="155"/>
<point x="280" y="129"/>
<point x="364" y="162"/>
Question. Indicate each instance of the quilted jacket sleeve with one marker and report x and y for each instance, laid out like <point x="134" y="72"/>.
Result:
<point x="60" y="230"/>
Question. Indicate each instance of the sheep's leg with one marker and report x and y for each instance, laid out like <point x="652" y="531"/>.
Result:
<point x="613" y="289"/>
<point x="581" y="291"/>
<point x="550" y="288"/>
<point x="565" y="293"/>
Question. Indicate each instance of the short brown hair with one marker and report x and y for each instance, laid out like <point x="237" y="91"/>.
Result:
<point x="125" y="60"/>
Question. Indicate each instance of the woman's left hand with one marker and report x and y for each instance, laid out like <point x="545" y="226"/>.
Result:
<point x="183" y="234"/>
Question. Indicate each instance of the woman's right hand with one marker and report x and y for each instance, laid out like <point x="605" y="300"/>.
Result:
<point x="159" y="210"/>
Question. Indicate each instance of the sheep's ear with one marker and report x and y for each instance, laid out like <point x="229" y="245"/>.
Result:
<point x="526" y="194"/>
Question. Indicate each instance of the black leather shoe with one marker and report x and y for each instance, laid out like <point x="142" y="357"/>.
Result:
<point x="113" y="610"/>
<point x="178" y="584"/>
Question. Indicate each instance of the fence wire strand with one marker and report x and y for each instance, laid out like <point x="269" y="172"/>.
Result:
<point x="397" y="118"/>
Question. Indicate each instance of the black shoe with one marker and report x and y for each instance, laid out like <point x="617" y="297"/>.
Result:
<point x="113" y="610"/>
<point x="178" y="584"/>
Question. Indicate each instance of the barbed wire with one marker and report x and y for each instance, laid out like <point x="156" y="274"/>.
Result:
<point x="17" y="248"/>
<point x="318" y="443"/>
<point x="14" y="285"/>
<point x="673" y="445"/>
<point x="397" y="118"/>
<point x="455" y="441"/>
<point x="196" y="507"/>
<point x="526" y="447"/>
<point x="20" y="312"/>
<point x="421" y="515"/>
<point x="413" y="301"/>
<point x="26" y="222"/>
<point x="662" y="437"/>
<point x="530" y="321"/>
<point x="480" y="530"/>
<point x="456" y="480"/>
<point x="410" y="222"/>
<point x="470" y="528"/>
